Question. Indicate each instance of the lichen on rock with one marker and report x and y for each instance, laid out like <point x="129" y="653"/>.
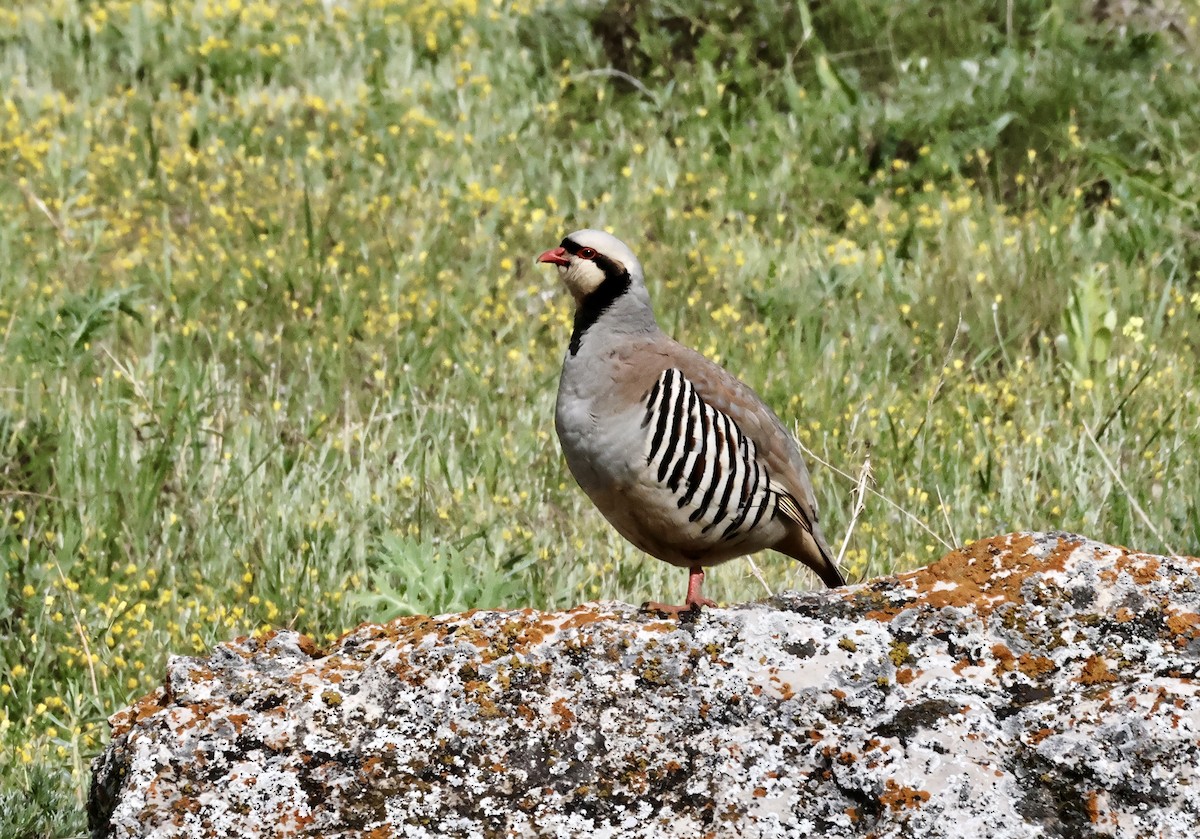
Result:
<point x="1026" y="685"/>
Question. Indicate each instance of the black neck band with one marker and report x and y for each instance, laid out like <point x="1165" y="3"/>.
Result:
<point x="616" y="282"/>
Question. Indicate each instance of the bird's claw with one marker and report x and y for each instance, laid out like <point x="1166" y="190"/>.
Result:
<point x="692" y="607"/>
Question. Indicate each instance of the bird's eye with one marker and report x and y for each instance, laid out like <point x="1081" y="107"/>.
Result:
<point x="586" y="253"/>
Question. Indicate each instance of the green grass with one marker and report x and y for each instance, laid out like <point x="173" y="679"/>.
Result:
<point x="275" y="351"/>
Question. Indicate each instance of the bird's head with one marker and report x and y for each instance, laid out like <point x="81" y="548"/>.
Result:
<point x="587" y="259"/>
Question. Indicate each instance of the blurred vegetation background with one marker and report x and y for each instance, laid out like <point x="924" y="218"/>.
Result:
<point x="275" y="351"/>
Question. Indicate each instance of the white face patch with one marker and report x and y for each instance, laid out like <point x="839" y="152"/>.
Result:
<point x="581" y="277"/>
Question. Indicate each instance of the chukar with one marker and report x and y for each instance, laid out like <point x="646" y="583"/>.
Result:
<point x="684" y="460"/>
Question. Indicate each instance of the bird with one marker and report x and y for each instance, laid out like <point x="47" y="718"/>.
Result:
<point x="678" y="454"/>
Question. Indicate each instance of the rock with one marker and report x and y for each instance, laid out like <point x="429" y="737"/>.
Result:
<point x="1026" y="685"/>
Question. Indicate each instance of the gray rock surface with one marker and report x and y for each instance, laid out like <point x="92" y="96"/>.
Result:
<point x="1027" y="685"/>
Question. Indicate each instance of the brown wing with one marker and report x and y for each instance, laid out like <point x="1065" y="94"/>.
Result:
<point x="641" y="366"/>
<point x="721" y="389"/>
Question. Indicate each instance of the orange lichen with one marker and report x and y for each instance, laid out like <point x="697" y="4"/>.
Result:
<point x="1035" y="665"/>
<point x="412" y="629"/>
<point x="896" y="797"/>
<point x="1143" y="573"/>
<point x="566" y="717"/>
<point x="1184" y="623"/>
<point x="309" y="647"/>
<point x="982" y="575"/>
<point x="1039" y="735"/>
<point x="1160" y="697"/>
<point x="1096" y="672"/>
<point x="147" y="706"/>
<point x="1005" y="660"/>
<point x="585" y="615"/>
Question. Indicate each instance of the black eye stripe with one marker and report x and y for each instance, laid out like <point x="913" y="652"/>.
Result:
<point x="609" y="266"/>
<point x="572" y="247"/>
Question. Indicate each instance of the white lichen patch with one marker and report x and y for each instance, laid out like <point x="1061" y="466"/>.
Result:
<point x="1029" y="685"/>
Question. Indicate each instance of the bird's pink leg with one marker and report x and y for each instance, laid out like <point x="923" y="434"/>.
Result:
<point x="695" y="581"/>
<point x="695" y="600"/>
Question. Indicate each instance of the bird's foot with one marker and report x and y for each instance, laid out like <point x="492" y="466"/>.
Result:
<point x="692" y="607"/>
<point x="692" y="604"/>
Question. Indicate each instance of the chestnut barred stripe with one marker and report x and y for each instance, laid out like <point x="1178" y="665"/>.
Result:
<point x="703" y="459"/>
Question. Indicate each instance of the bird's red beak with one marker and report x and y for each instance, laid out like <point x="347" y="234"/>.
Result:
<point x="555" y="256"/>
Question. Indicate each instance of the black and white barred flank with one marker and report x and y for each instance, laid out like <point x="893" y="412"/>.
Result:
<point x="704" y="459"/>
